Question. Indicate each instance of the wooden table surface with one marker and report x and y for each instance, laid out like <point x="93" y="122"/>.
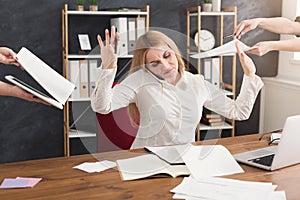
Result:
<point x="61" y="181"/>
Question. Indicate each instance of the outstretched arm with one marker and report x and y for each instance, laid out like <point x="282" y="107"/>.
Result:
<point x="264" y="47"/>
<point x="15" y="91"/>
<point x="278" y="25"/>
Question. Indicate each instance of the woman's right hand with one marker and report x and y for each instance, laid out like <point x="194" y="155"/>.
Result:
<point x="245" y="26"/>
<point x="108" y="55"/>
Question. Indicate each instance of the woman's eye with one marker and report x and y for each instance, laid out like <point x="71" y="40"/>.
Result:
<point x="166" y="55"/>
<point x="154" y="64"/>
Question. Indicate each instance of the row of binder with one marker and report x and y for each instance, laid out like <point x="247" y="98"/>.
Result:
<point x="84" y="74"/>
<point x="130" y="29"/>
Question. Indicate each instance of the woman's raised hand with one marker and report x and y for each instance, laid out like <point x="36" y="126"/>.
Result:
<point x="108" y="55"/>
<point x="247" y="63"/>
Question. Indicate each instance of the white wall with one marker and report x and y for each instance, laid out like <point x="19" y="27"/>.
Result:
<point x="288" y="68"/>
<point x="280" y="96"/>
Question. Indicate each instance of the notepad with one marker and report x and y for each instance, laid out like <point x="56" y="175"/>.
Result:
<point x="148" y="165"/>
<point x="55" y="84"/>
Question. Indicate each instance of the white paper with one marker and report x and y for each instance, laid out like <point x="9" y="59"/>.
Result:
<point x="225" y="189"/>
<point x="226" y="49"/>
<point x="96" y="166"/>
<point x="210" y="160"/>
<point x="54" y="83"/>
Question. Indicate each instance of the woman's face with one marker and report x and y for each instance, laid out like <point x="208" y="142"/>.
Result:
<point x="163" y="62"/>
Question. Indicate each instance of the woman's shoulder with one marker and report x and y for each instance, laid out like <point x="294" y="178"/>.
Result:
<point x="193" y="77"/>
<point x="138" y="77"/>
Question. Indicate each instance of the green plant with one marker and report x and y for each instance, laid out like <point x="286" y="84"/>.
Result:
<point x="80" y="2"/>
<point x="94" y="2"/>
<point x="207" y="1"/>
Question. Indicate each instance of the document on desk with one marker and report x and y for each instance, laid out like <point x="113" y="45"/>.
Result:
<point x="91" y="167"/>
<point x="226" y="49"/>
<point x="148" y="165"/>
<point x="226" y="189"/>
<point x="210" y="160"/>
<point x="170" y="154"/>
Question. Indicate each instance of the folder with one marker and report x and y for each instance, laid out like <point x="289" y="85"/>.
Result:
<point x="207" y="69"/>
<point x="131" y="35"/>
<point x="55" y="84"/>
<point x="84" y="89"/>
<point x="140" y="26"/>
<point x="74" y="77"/>
<point x="121" y="24"/>
<point x="215" y="71"/>
<point x="93" y="75"/>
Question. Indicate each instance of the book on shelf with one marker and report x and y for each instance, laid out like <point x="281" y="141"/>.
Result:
<point x="211" y="120"/>
<point x="149" y="165"/>
<point x="212" y="123"/>
<point x="210" y="114"/>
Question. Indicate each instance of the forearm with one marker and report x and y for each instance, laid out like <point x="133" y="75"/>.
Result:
<point x="292" y="45"/>
<point x="279" y="25"/>
<point x="241" y="108"/>
<point x="102" y="94"/>
<point x="6" y="89"/>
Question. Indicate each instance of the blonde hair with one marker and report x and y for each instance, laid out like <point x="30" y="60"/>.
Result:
<point x="144" y="42"/>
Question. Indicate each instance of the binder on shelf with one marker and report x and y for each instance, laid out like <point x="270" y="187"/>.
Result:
<point x="74" y="77"/>
<point x="84" y="89"/>
<point x="207" y="69"/>
<point x="93" y="75"/>
<point x="140" y="26"/>
<point x="121" y="24"/>
<point x="215" y="71"/>
<point x="131" y="35"/>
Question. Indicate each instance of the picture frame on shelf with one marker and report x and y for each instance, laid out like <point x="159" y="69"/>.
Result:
<point x="84" y="42"/>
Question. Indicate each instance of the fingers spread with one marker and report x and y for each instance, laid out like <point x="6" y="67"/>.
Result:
<point x="100" y="41"/>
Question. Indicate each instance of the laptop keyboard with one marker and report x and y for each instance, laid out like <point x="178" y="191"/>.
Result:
<point x="265" y="160"/>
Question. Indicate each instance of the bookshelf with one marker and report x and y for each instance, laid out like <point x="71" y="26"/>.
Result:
<point x="68" y="55"/>
<point x="195" y="15"/>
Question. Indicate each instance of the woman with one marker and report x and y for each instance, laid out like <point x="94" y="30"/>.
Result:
<point x="165" y="99"/>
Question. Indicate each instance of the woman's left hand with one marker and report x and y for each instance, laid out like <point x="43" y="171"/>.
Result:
<point x="247" y="63"/>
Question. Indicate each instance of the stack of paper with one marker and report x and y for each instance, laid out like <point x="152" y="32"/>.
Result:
<point x="222" y="188"/>
<point x="19" y="182"/>
<point x="95" y="166"/>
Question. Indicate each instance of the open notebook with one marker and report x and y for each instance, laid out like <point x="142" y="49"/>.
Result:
<point x="54" y="83"/>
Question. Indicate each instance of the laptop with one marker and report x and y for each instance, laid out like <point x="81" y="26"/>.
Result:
<point x="55" y="84"/>
<point x="286" y="153"/>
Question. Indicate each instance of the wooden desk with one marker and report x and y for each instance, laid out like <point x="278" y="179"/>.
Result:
<point x="61" y="181"/>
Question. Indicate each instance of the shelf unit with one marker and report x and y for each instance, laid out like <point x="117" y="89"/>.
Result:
<point x="144" y="12"/>
<point x="229" y="88"/>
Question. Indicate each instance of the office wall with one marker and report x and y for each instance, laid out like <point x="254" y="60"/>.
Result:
<point x="31" y="131"/>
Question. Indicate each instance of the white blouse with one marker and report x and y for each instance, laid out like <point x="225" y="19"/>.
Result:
<point x="169" y="114"/>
